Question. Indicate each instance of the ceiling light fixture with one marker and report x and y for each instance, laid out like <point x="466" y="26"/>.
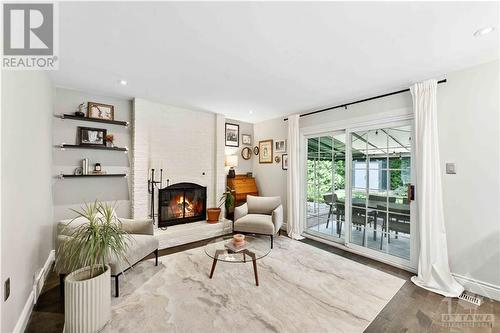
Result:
<point x="123" y="82"/>
<point x="483" y="31"/>
<point x="250" y="112"/>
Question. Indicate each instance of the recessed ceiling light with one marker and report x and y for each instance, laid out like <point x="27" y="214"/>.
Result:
<point x="250" y="112"/>
<point x="483" y="31"/>
<point x="123" y="82"/>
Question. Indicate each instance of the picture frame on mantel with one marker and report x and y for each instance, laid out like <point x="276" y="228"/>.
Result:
<point x="266" y="151"/>
<point x="232" y="135"/>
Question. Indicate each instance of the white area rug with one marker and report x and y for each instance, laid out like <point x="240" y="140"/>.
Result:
<point x="302" y="289"/>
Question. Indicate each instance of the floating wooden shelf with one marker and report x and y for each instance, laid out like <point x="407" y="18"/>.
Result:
<point x="68" y="146"/>
<point x="94" y="175"/>
<point x="95" y="120"/>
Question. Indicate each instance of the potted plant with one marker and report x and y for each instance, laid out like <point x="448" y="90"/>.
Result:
<point x="227" y="199"/>
<point x="92" y="244"/>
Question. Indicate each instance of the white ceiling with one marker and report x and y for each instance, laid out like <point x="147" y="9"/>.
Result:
<point x="270" y="58"/>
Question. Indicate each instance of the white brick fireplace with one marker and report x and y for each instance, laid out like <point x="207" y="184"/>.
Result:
<point x="189" y="146"/>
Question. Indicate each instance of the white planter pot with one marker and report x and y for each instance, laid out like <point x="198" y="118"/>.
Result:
<point x="87" y="302"/>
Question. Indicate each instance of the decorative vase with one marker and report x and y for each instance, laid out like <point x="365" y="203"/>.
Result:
<point x="87" y="301"/>
<point x="213" y="215"/>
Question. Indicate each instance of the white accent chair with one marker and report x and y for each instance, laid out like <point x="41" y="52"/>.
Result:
<point x="259" y="215"/>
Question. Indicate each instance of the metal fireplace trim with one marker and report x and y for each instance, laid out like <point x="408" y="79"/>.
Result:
<point x="181" y="187"/>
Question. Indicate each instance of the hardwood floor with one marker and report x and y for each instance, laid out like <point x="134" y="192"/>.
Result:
<point x="412" y="309"/>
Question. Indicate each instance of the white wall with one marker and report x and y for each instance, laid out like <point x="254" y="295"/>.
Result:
<point x="27" y="213"/>
<point x="468" y="125"/>
<point x="271" y="178"/>
<point x="244" y="166"/>
<point x="469" y="133"/>
<point x="183" y="142"/>
<point x="73" y="193"/>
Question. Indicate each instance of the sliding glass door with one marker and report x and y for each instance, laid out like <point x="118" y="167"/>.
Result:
<point x="380" y="188"/>
<point x="359" y="187"/>
<point x="325" y="207"/>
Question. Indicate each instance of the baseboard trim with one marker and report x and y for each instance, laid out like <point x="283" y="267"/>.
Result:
<point x="22" y="322"/>
<point x="479" y="287"/>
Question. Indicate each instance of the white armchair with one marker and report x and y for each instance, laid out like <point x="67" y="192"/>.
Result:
<point x="259" y="215"/>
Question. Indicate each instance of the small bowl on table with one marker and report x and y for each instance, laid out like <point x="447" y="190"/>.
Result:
<point x="238" y="239"/>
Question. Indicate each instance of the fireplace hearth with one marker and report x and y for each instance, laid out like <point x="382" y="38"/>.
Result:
<point x="181" y="203"/>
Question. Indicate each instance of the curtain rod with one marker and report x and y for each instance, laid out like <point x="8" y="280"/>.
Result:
<point x="356" y="102"/>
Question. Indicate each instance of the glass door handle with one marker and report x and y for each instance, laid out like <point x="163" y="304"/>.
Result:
<point x="411" y="192"/>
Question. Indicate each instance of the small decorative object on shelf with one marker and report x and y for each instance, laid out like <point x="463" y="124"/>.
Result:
<point x="85" y="166"/>
<point x="109" y="140"/>
<point x="91" y="136"/>
<point x="100" y="111"/>
<point x="78" y="171"/>
<point x="97" y="167"/>
<point x="80" y="112"/>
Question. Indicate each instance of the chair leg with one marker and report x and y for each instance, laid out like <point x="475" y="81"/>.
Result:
<point x="156" y="257"/>
<point x="117" y="289"/>
<point x="271" y="241"/>
<point x="330" y="211"/>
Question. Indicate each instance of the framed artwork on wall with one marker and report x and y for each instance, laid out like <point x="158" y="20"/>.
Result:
<point x="280" y="146"/>
<point x="246" y="139"/>
<point x="100" y="111"/>
<point x="232" y="135"/>
<point x="89" y="136"/>
<point x="284" y="161"/>
<point x="246" y="153"/>
<point x="266" y="151"/>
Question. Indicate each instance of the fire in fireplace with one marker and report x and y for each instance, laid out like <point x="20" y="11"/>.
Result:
<point x="181" y="203"/>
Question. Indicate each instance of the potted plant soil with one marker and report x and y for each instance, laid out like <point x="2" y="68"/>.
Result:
<point x="87" y="290"/>
<point x="227" y="199"/>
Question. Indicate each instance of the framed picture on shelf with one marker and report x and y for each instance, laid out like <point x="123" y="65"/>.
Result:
<point x="266" y="151"/>
<point x="284" y="161"/>
<point x="246" y="139"/>
<point x="280" y="146"/>
<point x="100" y="111"/>
<point x="89" y="136"/>
<point x="232" y="135"/>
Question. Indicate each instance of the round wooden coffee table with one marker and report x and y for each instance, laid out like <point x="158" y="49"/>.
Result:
<point x="256" y="248"/>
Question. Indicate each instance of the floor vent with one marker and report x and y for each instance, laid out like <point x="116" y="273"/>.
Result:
<point x="471" y="298"/>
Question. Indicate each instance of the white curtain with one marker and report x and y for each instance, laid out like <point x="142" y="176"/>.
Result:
<point x="294" y="225"/>
<point x="433" y="268"/>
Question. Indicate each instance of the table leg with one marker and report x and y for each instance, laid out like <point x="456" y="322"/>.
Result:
<point x="215" y="262"/>
<point x="255" y="272"/>
<point x="254" y="262"/>
<point x="213" y="268"/>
